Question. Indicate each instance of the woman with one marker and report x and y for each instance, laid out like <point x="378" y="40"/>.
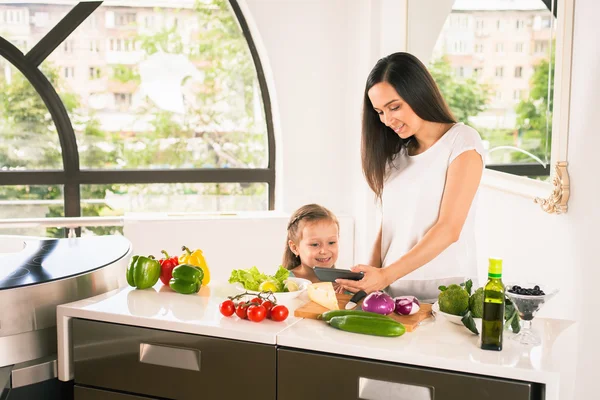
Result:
<point x="425" y="169"/>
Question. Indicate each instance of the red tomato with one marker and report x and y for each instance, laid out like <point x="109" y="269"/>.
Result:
<point x="241" y="310"/>
<point x="256" y="313"/>
<point x="255" y="300"/>
<point x="279" y="313"/>
<point x="227" y="308"/>
<point x="267" y="305"/>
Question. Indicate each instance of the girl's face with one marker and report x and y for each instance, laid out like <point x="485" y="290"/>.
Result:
<point x="318" y="246"/>
<point x="393" y="111"/>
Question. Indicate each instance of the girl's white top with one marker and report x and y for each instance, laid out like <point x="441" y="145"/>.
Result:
<point x="411" y="200"/>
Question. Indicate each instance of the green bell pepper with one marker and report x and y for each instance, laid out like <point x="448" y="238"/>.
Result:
<point x="187" y="279"/>
<point x="143" y="272"/>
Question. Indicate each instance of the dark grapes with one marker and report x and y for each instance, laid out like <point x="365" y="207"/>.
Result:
<point x="535" y="291"/>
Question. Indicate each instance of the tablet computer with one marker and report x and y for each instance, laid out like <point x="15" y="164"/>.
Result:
<point x="331" y="274"/>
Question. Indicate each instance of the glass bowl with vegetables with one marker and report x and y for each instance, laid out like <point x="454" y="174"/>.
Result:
<point x="528" y="298"/>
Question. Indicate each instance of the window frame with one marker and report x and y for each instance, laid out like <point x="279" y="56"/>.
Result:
<point x="71" y="177"/>
<point x="559" y="187"/>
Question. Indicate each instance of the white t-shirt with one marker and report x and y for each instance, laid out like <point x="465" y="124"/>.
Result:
<point x="411" y="200"/>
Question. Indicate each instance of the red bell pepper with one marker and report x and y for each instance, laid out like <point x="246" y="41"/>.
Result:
<point x="166" y="267"/>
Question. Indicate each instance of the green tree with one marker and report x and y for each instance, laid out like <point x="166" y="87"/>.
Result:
<point x="29" y="138"/>
<point x="465" y="96"/>
<point x="534" y="114"/>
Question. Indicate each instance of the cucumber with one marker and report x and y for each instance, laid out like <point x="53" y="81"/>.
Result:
<point x="368" y="325"/>
<point x="326" y="316"/>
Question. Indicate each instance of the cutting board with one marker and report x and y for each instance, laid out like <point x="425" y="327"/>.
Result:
<point x="411" y="322"/>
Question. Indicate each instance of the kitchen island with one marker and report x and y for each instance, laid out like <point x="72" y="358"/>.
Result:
<point x="130" y="342"/>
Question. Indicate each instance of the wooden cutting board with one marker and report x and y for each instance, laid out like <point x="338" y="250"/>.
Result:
<point x="312" y="310"/>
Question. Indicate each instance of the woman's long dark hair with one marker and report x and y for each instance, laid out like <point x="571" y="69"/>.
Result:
<point x="416" y="86"/>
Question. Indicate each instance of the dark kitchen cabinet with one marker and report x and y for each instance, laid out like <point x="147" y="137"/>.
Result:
<point x="85" y="393"/>
<point x="156" y="363"/>
<point x="121" y="362"/>
<point x="305" y="375"/>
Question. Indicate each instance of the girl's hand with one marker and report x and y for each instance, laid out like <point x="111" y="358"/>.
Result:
<point x="338" y="288"/>
<point x="374" y="279"/>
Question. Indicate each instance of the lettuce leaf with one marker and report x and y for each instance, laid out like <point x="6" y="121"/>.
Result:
<point x="281" y="275"/>
<point x="252" y="278"/>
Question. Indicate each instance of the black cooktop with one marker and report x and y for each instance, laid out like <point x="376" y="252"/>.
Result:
<point x="48" y="260"/>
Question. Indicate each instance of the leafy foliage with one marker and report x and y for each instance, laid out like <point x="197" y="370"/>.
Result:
<point x="534" y="115"/>
<point x="465" y="97"/>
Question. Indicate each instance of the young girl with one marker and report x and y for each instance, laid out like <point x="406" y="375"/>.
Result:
<point x="312" y="241"/>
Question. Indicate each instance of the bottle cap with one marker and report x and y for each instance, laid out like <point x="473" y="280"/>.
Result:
<point x="495" y="268"/>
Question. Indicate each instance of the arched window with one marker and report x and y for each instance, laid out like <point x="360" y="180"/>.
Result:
<point x="114" y="108"/>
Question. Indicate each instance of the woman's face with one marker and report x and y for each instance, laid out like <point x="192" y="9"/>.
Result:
<point x="318" y="246"/>
<point x="393" y="111"/>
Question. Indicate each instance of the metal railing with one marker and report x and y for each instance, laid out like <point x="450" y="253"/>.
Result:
<point x="70" y="223"/>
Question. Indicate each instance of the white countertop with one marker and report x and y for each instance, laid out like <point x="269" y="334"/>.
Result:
<point x="444" y="345"/>
<point x="437" y="343"/>
<point x="160" y="307"/>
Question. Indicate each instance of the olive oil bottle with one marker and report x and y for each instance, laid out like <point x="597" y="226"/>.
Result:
<point x="493" y="308"/>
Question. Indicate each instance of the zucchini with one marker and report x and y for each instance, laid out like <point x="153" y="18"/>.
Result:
<point x="326" y="316"/>
<point x="368" y="325"/>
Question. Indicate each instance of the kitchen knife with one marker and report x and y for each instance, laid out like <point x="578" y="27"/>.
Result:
<point x="358" y="296"/>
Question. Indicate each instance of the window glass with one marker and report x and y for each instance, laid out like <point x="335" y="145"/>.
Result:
<point x="32" y="201"/>
<point x="508" y="98"/>
<point x="28" y="137"/>
<point x="163" y="87"/>
<point x="118" y="199"/>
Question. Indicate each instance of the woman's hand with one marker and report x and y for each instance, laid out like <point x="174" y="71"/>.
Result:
<point x="374" y="279"/>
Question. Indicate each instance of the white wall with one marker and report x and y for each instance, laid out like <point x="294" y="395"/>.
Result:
<point x="535" y="246"/>
<point x="233" y="242"/>
<point x="581" y="256"/>
<point x="306" y="46"/>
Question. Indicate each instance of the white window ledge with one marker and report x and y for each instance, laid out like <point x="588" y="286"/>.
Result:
<point x="518" y="185"/>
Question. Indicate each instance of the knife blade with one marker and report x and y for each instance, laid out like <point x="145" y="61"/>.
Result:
<point x="358" y="296"/>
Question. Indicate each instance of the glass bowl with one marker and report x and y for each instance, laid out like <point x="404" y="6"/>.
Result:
<point x="527" y="306"/>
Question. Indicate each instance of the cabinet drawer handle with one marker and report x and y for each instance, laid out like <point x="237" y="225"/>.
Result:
<point x="373" y="389"/>
<point x="170" y="356"/>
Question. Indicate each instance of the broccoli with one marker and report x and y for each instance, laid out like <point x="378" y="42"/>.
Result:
<point x="453" y="300"/>
<point x="476" y="303"/>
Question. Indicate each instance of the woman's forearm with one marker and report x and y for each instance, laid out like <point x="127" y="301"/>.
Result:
<point x="375" y="260"/>
<point x="436" y="240"/>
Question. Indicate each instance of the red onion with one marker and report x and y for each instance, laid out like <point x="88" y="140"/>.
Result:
<point x="378" y="302"/>
<point x="406" y="305"/>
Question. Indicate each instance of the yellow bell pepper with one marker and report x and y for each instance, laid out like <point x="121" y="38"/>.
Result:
<point x="196" y="258"/>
